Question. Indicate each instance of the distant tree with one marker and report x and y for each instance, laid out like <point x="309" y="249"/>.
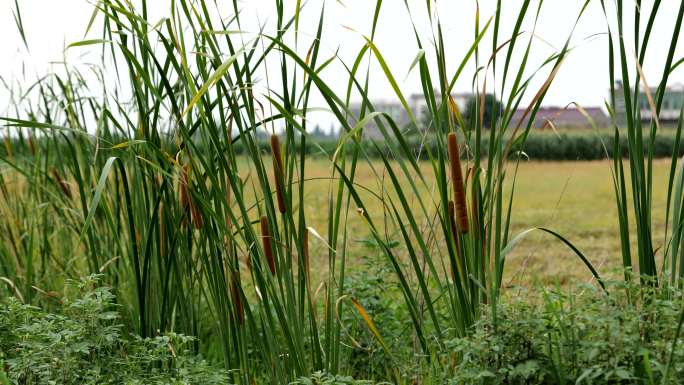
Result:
<point x="493" y="109"/>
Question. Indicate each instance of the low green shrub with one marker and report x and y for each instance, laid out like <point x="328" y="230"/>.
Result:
<point x="82" y="343"/>
<point x="591" y="145"/>
<point x="547" y="337"/>
<point x="569" y="338"/>
<point x="320" y="378"/>
<point x="378" y="293"/>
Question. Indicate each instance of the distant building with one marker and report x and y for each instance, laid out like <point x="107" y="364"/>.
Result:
<point x="394" y="109"/>
<point x="416" y="103"/>
<point x="559" y="117"/>
<point x="673" y="99"/>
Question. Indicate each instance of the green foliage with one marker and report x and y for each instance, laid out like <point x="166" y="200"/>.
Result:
<point x="379" y="293"/>
<point x="576" y="338"/>
<point x="82" y="342"/>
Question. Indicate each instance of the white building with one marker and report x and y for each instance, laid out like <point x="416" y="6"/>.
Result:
<point x="673" y="100"/>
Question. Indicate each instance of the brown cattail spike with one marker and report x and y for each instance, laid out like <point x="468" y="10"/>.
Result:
<point x="32" y="144"/>
<point x="278" y="172"/>
<point x="457" y="181"/>
<point x="63" y="185"/>
<point x="268" y="248"/>
<point x="187" y="203"/>
<point x="197" y="218"/>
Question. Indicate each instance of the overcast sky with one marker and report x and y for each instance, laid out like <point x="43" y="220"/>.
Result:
<point x="52" y="24"/>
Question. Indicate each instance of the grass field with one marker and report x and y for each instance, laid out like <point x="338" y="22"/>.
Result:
<point x="577" y="200"/>
<point x="574" y="198"/>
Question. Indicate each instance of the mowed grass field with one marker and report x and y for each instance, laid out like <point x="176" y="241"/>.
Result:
<point x="575" y="199"/>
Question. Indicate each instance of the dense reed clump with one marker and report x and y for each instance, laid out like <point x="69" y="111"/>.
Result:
<point x="632" y="168"/>
<point x="163" y="175"/>
<point x="456" y="262"/>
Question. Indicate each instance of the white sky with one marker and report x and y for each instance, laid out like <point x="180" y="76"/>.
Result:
<point x="52" y="24"/>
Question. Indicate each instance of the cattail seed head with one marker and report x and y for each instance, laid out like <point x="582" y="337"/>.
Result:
<point x="197" y="218"/>
<point x="278" y="173"/>
<point x="187" y="202"/>
<point x="268" y="248"/>
<point x="457" y="181"/>
<point x="63" y="185"/>
<point x="32" y="144"/>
